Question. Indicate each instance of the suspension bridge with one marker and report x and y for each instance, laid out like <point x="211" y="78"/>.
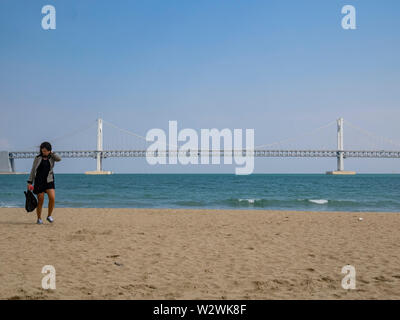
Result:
<point x="7" y="158"/>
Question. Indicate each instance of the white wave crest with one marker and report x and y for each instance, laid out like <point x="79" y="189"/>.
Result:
<point x="318" y="201"/>
<point x="248" y="200"/>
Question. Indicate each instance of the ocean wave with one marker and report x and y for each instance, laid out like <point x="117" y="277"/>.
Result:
<point x="318" y="201"/>
<point x="250" y="201"/>
<point x="285" y="203"/>
<point x="4" y="205"/>
<point x="333" y="202"/>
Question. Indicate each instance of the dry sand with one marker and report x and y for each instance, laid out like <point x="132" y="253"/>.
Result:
<point x="199" y="254"/>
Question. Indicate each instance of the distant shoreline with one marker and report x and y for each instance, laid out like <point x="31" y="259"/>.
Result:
<point x="13" y="173"/>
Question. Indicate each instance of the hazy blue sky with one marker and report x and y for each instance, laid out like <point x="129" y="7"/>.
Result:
<point x="281" y="67"/>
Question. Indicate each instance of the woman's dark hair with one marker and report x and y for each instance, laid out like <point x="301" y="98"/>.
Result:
<point x="45" y="145"/>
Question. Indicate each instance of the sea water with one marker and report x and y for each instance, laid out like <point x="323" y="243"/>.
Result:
<point x="320" y="192"/>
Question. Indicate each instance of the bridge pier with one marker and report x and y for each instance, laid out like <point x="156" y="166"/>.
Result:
<point x="340" y="148"/>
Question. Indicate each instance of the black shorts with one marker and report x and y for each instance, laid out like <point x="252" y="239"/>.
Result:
<point x="42" y="187"/>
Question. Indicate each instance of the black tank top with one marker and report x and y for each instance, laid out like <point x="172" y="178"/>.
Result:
<point x="42" y="171"/>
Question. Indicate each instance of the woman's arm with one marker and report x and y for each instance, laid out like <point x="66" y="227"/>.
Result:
<point x="32" y="174"/>
<point x="55" y="156"/>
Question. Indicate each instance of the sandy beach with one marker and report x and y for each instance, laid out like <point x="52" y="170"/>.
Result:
<point x="199" y="254"/>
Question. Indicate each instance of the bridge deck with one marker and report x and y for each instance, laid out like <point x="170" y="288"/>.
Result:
<point x="255" y="153"/>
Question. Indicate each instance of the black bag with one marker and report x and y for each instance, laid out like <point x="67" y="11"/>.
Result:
<point x="30" y="201"/>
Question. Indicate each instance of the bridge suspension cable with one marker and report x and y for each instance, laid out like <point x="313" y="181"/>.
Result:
<point x="132" y="133"/>
<point x="124" y="130"/>
<point x="361" y="130"/>
<point x="67" y="135"/>
<point x="80" y="130"/>
<point x="297" y="137"/>
<point x="371" y="135"/>
<point x="259" y="146"/>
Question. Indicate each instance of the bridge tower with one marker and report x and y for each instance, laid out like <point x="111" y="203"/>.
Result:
<point x="99" y="144"/>
<point x="340" y="164"/>
<point x="99" y="150"/>
<point x="340" y="149"/>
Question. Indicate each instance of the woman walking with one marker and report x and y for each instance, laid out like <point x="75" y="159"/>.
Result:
<point x="43" y="178"/>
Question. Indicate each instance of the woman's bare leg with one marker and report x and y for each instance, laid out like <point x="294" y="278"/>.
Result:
<point x="51" y="193"/>
<point x="40" y="197"/>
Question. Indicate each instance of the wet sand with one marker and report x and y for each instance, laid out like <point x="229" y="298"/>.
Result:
<point x="199" y="254"/>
